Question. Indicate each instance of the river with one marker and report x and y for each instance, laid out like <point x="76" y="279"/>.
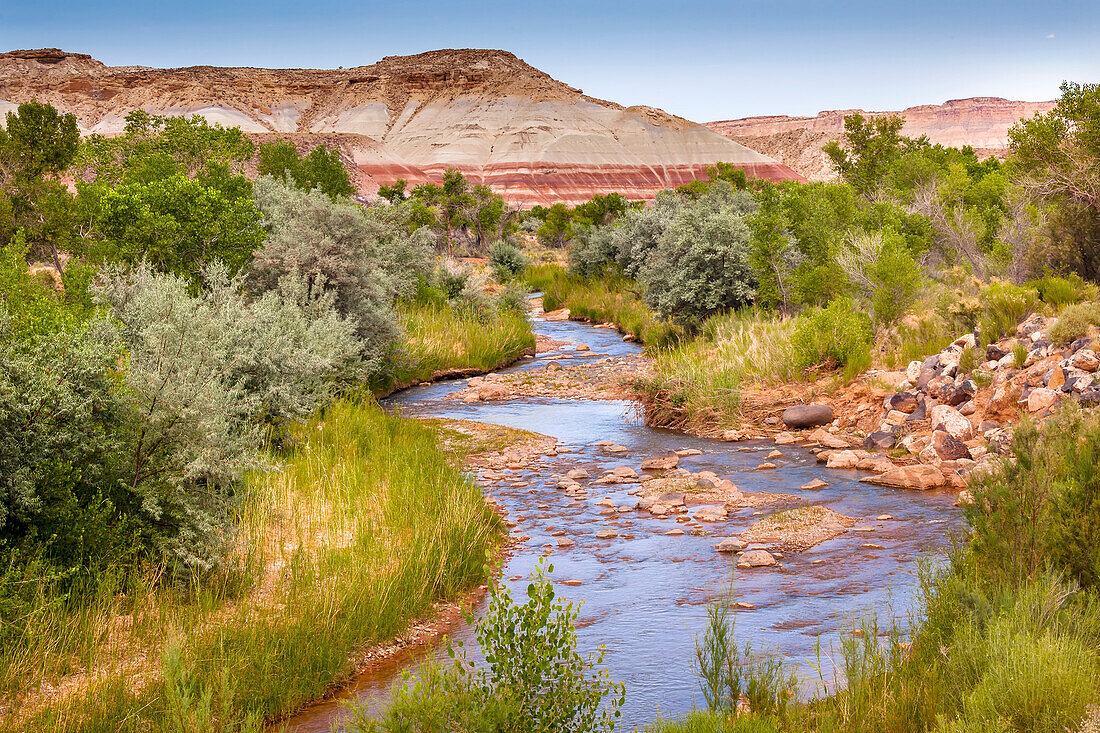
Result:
<point x="645" y="593"/>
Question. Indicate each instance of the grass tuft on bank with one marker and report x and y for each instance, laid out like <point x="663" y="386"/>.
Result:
<point x="366" y="525"/>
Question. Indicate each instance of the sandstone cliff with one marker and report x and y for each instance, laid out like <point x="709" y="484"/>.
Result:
<point x="499" y="120"/>
<point x="981" y="122"/>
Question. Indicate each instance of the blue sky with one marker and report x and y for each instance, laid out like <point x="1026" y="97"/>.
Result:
<point x="704" y="60"/>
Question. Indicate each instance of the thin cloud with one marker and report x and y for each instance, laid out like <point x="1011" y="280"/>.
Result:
<point x="1050" y="35"/>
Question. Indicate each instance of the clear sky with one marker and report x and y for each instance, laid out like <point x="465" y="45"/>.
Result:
<point x="703" y="60"/>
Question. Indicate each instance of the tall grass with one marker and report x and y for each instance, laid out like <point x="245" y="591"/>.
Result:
<point x="363" y="529"/>
<point x="438" y="338"/>
<point x="698" y="383"/>
<point x="610" y="298"/>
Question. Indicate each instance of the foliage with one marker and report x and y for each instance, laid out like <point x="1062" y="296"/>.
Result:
<point x="175" y="223"/>
<point x="440" y="337"/>
<point x="507" y="260"/>
<point x="1074" y="322"/>
<point x="365" y="259"/>
<point x="366" y="526"/>
<point x="880" y="266"/>
<point x="321" y="168"/>
<point x="701" y="263"/>
<point x="534" y="677"/>
<point x="1003" y="306"/>
<point x="39" y="140"/>
<point x="154" y="147"/>
<point x="836" y="336"/>
<point x="871" y="146"/>
<point x="1062" y="291"/>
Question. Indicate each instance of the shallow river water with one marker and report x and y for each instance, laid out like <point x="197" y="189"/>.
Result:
<point x="644" y="593"/>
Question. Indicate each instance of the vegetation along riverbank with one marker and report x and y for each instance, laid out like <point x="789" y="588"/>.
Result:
<point x="206" y="520"/>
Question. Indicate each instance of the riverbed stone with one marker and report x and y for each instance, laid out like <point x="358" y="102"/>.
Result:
<point x="785" y="438"/>
<point x="766" y="466"/>
<point x="685" y="452"/>
<point x="710" y="513"/>
<point x="490" y="391"/>
<point x="842" y="459"/>
<point x="756" y="559"/>
<point x="814" y="485"/>
<point x="624" y="472"/>
<point x="607" y="534"/>
<point x="729" y="544"/>
<point x="807" y="416"/>
<point x="576" y="474"/>
<point x="672" y="499"/>
<point x="827" y="439"/>
<point x="920" y="477"/>
<point x="662" y="463"/>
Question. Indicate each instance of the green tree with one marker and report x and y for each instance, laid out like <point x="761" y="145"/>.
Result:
<point x="320" y="168"/>
<point x="871" y="147"/>
<point x="177" y="224"/>
<point x="40" y="139"/>
<point x="557" y="227"/>
<point x="394" y="192"/>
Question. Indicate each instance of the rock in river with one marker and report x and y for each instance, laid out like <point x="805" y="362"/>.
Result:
<point x="664" y="463"/>
<point x="756" y="559"/>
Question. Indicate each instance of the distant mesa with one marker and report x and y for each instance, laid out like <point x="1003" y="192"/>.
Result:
<point x="980" y="122"/>
<point x="486" y="112"/>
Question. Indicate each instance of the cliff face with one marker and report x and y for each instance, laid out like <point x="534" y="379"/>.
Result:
<point x="981" y="122"/>
<point x="487" y="113"/>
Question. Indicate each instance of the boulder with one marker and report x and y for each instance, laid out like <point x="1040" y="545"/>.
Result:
<point x="880" y="440"/>
<point x="993" y="352"/>
<point x="961" y="393"/>
<point x="624" y="472"/>
<point x="756" y="559"/>
<point x="664" y="463"/>
<point x="950" y="420"/>
<point x="877" y="463"/>
<point x="1057" y="378"/>
<point x="1081" y="343"/>
<point x="807" y="416"/>
<point x="909" y="477"/>
<point x="1085" y="360"/>
<point x="895" y="418"/>
<point x="577" y="473"/>
<point x="912" y="372"/>
<point x="842" y="459"/>
<point x="903" y="402"/>
<point x="729" y="544"/>
<point x="1040" y="399"/>
<point x="947" y="447"/>
<point x="1089" y="396"/>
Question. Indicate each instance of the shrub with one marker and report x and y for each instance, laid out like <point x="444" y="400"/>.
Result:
<point x="1074" y="322"/>
<point x="700" y="267"/>
<point x="880" y="266"/>
<point x="366" y="260"/>
<point x="836" y="336"/>
<point x="533" y="679"/>
<point x="507" y="260"/>
<point x="1004" y="305"/>
<point x="1063" y="291"/>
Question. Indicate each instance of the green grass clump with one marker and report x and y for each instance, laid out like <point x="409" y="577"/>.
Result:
<point x="1074" y="322"/>
<point x="364" y="528"/>
<point x="1003" y="306"/>
<point x="439" y="337"/>
<point x="698" y="383"/>
<point x="1063" y="291"/>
